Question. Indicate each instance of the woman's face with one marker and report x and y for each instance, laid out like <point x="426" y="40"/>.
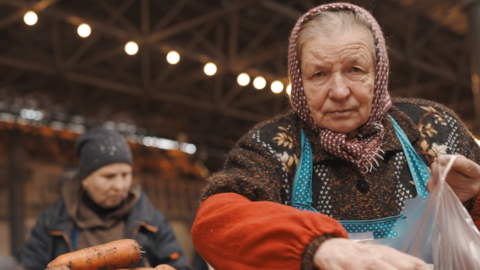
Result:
<point x="109" y="185"/>
<point x="338" y="76"/>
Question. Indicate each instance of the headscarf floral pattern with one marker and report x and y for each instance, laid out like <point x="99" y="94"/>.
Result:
<point x="365" y="148"/>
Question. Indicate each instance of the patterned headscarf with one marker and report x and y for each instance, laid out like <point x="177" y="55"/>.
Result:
<point x="365" y="148"/>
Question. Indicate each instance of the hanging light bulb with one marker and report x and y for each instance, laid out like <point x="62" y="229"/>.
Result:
<point x="289" y="89"/>
<point x="243" y="79"/>
<point x="277" y="87"/>
<point x="84" y="30"/>
<point x="210" y="69"/>
<point x="30" y="18"/>
<point x="131" y="48"/>
<point x="259" y="83"/>
<point x="173" y="57"/>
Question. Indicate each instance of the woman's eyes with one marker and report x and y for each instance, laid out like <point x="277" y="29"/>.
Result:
<point x="319" y="74"/>
<point x="356" y="69"/>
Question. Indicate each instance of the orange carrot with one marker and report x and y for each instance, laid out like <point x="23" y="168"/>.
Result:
<point x="114" y="255"/>
<point x="138" y="268"/>
<point x="59" y="267"/>
<point x="159" y="267"/>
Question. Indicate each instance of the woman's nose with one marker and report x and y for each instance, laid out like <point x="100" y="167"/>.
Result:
<point x="338" y="88"/>
<point x="119" y="184"/>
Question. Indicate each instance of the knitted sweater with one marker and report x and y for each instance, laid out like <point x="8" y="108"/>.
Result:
<point x="245" y="221"/>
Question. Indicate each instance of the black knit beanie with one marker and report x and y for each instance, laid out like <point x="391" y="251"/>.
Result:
<point x="100" y="147"/>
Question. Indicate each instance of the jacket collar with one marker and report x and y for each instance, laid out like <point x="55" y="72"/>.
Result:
<point x="142" y="215"/>
<point x="59" y="223"/>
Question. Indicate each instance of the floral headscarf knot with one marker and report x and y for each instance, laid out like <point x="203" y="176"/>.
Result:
<point x="365" y="148"/>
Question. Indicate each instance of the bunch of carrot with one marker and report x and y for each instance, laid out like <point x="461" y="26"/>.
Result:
<point x="111" y="256"/>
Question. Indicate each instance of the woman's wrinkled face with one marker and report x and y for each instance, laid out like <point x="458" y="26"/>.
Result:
<point x="109" y="185"/>
<point x="338" y="77"/>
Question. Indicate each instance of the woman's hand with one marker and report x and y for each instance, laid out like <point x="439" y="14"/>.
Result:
<point x="343" y="254"/>
<point x="463" y="177"/>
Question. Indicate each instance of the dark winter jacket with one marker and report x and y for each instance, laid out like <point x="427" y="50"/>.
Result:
<point x="53" y="232"/>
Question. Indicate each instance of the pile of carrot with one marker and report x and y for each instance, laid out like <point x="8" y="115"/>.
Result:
<point x="111" y="256"/>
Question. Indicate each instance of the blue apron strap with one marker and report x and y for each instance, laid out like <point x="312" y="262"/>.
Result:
<point x="418" y="169"/>
<point x="302" y="185"/>
<point x="76" y="232"/>
<point x="380" y="228"/>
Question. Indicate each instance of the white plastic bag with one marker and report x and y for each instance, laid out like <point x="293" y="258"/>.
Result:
<point x="439" y="229"/>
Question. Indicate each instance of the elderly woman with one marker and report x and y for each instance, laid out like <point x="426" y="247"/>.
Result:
<point x="348" y="154"/>
<point x="100" y="205"/>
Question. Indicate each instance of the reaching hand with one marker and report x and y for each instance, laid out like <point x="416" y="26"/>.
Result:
<point x="463" y="177"/>
<point x="343" y="254"/>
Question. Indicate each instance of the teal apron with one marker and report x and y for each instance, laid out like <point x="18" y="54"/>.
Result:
<point x="360" y="229"/>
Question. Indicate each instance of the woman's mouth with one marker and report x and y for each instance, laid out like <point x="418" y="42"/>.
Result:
<point x="341" y="113"/>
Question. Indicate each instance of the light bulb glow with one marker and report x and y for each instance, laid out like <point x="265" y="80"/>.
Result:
<point x="131" y="48"/>
<point x="210" y="69"/>
<point x="30" y="18"/>
<point x="173" y="57"/>
<point x="259" y="83"/>
<point x="243" y="79"/>
<point x="277" y="87"/>
<point x="84" y="30"/>
<point x="289" y="89"/>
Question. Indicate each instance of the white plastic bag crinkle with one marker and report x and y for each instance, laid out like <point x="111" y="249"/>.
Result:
<point x="439" y="229"/>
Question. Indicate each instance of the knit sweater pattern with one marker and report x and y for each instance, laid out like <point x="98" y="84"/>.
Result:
<point x="262" y="165"/>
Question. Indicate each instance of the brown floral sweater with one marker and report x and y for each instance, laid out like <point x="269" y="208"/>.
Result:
<point x="262" y="167"/>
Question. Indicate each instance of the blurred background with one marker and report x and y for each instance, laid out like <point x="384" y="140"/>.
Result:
<point x="183" y="80"/>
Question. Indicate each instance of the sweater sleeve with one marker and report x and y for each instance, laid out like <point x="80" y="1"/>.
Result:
<point x="232" y="232"/>
<point x="455" y="137"/>
<point x="469" y="148"/>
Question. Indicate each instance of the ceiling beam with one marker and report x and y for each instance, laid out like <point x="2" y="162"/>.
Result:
<point x="287" y="11"/>
<point x="24" y="6"/>
<point x="132" y="90"/>
<point x="118" y="16"/>
<point x="266" y="30"/>
<point x="197" y="21"/>
<point x="429" y="68"/>
<point x="171" y="14"/>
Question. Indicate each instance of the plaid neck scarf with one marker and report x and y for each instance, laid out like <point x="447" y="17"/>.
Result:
<point x="365" y="148"/>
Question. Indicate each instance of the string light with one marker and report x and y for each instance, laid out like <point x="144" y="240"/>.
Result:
<point x="173" y="57"/>
<point x="277" y="87"/>
<point x="84" y="30"/>
<point x="30" y="18"/>
<point x="259" y="83"/>
<point x="131" y="48"/>
<point x="243" y="79"/>
<point x="289" y="89"/>
<point x="210" y="69"/>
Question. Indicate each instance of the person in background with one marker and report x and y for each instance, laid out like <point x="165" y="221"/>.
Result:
<point x="100" y="205"/>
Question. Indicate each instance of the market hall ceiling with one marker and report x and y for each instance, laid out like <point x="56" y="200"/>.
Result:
<point x="48" y="67"/>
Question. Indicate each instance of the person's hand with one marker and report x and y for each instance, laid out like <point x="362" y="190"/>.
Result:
<point x="463" y="177"/>
<point x="164" y="267"/>
<point x="343" y="254"/>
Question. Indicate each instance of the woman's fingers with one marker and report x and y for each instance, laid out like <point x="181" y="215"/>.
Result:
<point x="433" y="180"/>
<point x="463" y="177"/>
<point x="381" y="265"/>
<point x="342" y="254"/>
<point x="403" y="261"/>
<point x="467" y="167"/>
